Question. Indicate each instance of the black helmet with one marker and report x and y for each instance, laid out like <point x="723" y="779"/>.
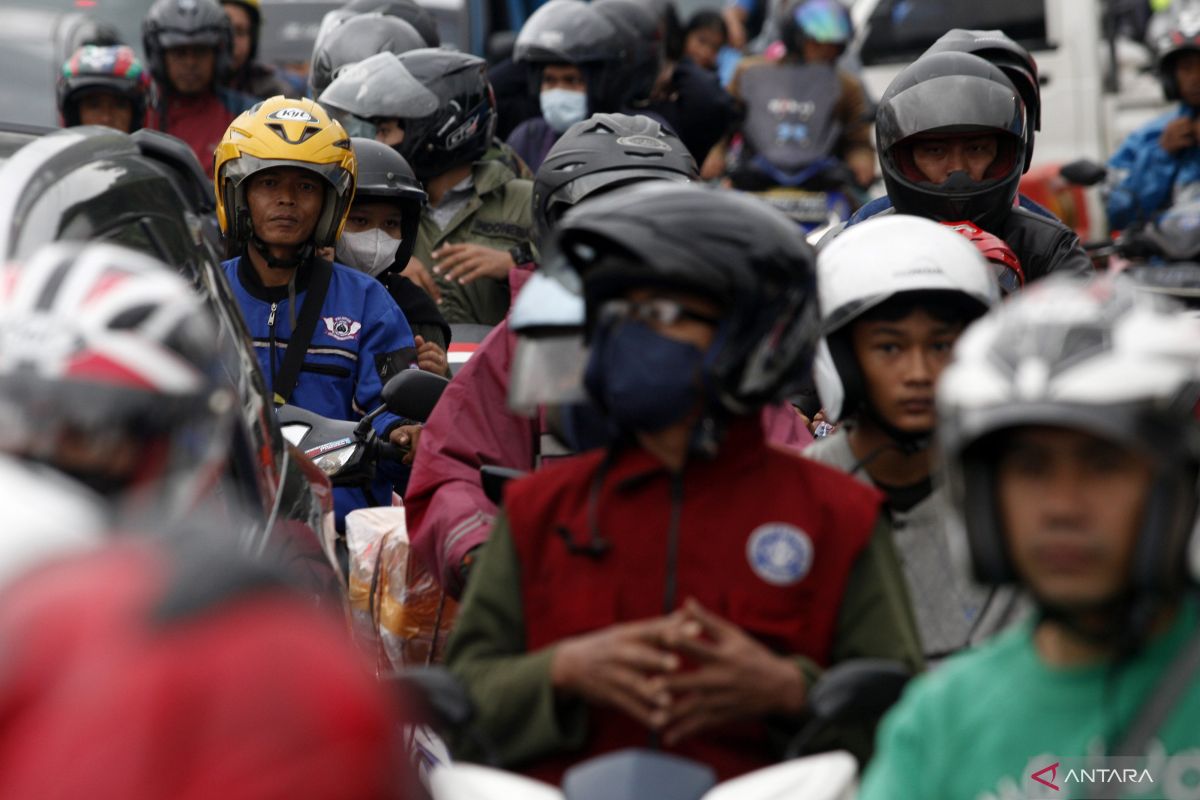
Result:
<point x="643" y="32"/>
<point x="461" y="129"/>
<point x="946" y="94"/>
<point x="383" y="174"/>
<point x="407" y="10"/>
<point x="1182" y="35"/>
<point x="602" y="153"/>
<point x="1013" y="60"/>
<point x="574" y="32"/>
<point x="175" y="23"/>
<point x="356" y="38"/>
<point x="727" y="246"/>
<point x="441" y="96"/>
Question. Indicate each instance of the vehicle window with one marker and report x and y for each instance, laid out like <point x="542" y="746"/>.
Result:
<point x="900" y="30"/>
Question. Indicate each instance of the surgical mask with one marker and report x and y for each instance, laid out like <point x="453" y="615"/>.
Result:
<point x="645" y="381"/>
<point x="370" y="251"/>
<point x="562" y="108"/>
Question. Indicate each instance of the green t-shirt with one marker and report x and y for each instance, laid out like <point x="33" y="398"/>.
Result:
<point x="981" y="725"/>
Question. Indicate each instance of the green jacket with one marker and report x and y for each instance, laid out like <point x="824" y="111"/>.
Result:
<point x="499" y="216"/>
<point x="522" y="717"/>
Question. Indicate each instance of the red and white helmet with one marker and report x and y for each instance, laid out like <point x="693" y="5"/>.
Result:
<point x="111" y="370"/>
<point x="870" y="264"/>
<point x="1009" y="273"/>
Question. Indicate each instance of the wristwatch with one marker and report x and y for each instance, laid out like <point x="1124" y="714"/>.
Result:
<point x="522" y="253"/>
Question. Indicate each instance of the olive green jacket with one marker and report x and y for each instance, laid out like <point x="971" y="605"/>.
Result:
<point x="500" y="216"/>
<point x="520" y="714"/>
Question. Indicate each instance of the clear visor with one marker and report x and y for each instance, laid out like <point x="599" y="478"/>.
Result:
<point x="547" y="370"/>
<point x="379" y="87"/>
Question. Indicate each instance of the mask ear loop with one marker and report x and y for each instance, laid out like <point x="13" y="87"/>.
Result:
<point x="706" y="435"/>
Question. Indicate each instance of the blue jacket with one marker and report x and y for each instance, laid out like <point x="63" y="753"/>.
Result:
<point x="361" y="340"/>
<point x="1143" y="178"/>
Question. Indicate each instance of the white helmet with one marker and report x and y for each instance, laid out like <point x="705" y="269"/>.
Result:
<point x="46" y="515"/>
<point x="872" y="263"/>
<point x="1101" y="357"/>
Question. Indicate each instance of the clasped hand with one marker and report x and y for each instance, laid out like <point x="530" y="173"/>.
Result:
<point x="680" y="674"/>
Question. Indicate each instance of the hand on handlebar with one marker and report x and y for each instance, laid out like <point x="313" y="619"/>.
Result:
<point x="406" y="437"/>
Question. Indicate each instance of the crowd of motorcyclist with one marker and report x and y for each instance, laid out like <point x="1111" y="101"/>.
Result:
<point x="937" y="437"/>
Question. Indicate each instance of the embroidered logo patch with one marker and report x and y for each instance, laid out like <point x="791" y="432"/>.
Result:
<point x="342" y="328"/>
<point x="779" y="553"/>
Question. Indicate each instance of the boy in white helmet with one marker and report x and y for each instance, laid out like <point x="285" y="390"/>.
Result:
<point x="894" y="295"/>
<point x="1069" y="434"/>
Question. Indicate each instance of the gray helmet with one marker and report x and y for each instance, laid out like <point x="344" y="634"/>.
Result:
<point x="355" y="39"/>
<point x="1104" y="358"/>
<point x="175" y="23"/>
<point x="600" y="154"/>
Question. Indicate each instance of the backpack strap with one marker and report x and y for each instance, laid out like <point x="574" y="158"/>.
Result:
<point x="306" y="325"/>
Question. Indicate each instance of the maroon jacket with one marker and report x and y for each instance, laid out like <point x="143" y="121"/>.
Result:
<point x="200" y="120"/>
<point x="752" y="535"/>
<point x="448" y="513"/>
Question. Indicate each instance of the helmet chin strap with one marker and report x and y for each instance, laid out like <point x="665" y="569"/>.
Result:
<point x="302" y="255"/>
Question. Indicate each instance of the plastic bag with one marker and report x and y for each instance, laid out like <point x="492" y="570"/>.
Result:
<point x="398" y="611"/>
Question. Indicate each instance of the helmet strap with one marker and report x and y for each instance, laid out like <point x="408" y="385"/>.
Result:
<point x="302" y="255"/>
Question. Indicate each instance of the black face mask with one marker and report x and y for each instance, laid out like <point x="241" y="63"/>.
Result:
<point x="645" y="381"/>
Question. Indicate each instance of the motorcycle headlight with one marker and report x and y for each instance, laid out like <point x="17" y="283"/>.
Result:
<point x="331" y="463"/>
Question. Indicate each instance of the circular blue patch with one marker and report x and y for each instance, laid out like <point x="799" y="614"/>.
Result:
<point x="779" y="553"/>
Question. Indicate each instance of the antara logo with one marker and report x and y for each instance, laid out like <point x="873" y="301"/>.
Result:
<point x="1099" y="776"/>
<point x="1053" y="770"/>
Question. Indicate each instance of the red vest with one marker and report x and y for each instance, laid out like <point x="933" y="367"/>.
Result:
<point x="765" y="539"/>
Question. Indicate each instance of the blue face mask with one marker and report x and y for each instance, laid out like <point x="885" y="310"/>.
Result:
<point x="562" y="108"/>
<point x="645" y="381"/>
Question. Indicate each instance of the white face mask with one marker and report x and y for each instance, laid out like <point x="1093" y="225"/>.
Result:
<point x="562" y="108"/>
<point x="370" y="251"/>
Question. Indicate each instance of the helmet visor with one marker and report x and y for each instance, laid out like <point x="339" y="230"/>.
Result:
<point x="547" y="370"/>
<point x="379" y="87"/>
<point x="950" y="103"/>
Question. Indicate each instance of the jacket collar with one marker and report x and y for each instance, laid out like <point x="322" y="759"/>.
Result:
<point x="743" y="444"/>
<point x="249" y="279"/>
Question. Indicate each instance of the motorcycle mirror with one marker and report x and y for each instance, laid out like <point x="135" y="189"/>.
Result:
<point x="494" y="479"/>
<point x="1084" y="172"/>
<point x="413" y="393"/>
<point x="436" y="696"/>
<point x="858" y="689"/>
<point x="638" y="773"/>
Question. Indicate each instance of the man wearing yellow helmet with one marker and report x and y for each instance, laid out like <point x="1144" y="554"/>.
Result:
<point x="327" y="336"/>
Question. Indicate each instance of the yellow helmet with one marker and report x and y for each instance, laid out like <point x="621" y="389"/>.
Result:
<point x="284" y="133"/>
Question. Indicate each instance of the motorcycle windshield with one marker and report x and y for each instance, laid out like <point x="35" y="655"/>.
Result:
<point x="379" y="87"/>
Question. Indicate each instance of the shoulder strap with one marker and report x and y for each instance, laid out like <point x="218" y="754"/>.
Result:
<point x="306" y="324"/>
<point x="1166" y="696"/>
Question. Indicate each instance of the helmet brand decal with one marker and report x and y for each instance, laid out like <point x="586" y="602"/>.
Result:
<point x="291" y="115"/>
<point x="342" y="328"/>
<point x="463" y="132"/>
<point x="779" y="553"/>
<point x="646" y="142"/>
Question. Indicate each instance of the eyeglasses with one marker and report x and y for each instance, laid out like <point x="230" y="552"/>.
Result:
<point x="659" y="311"/>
